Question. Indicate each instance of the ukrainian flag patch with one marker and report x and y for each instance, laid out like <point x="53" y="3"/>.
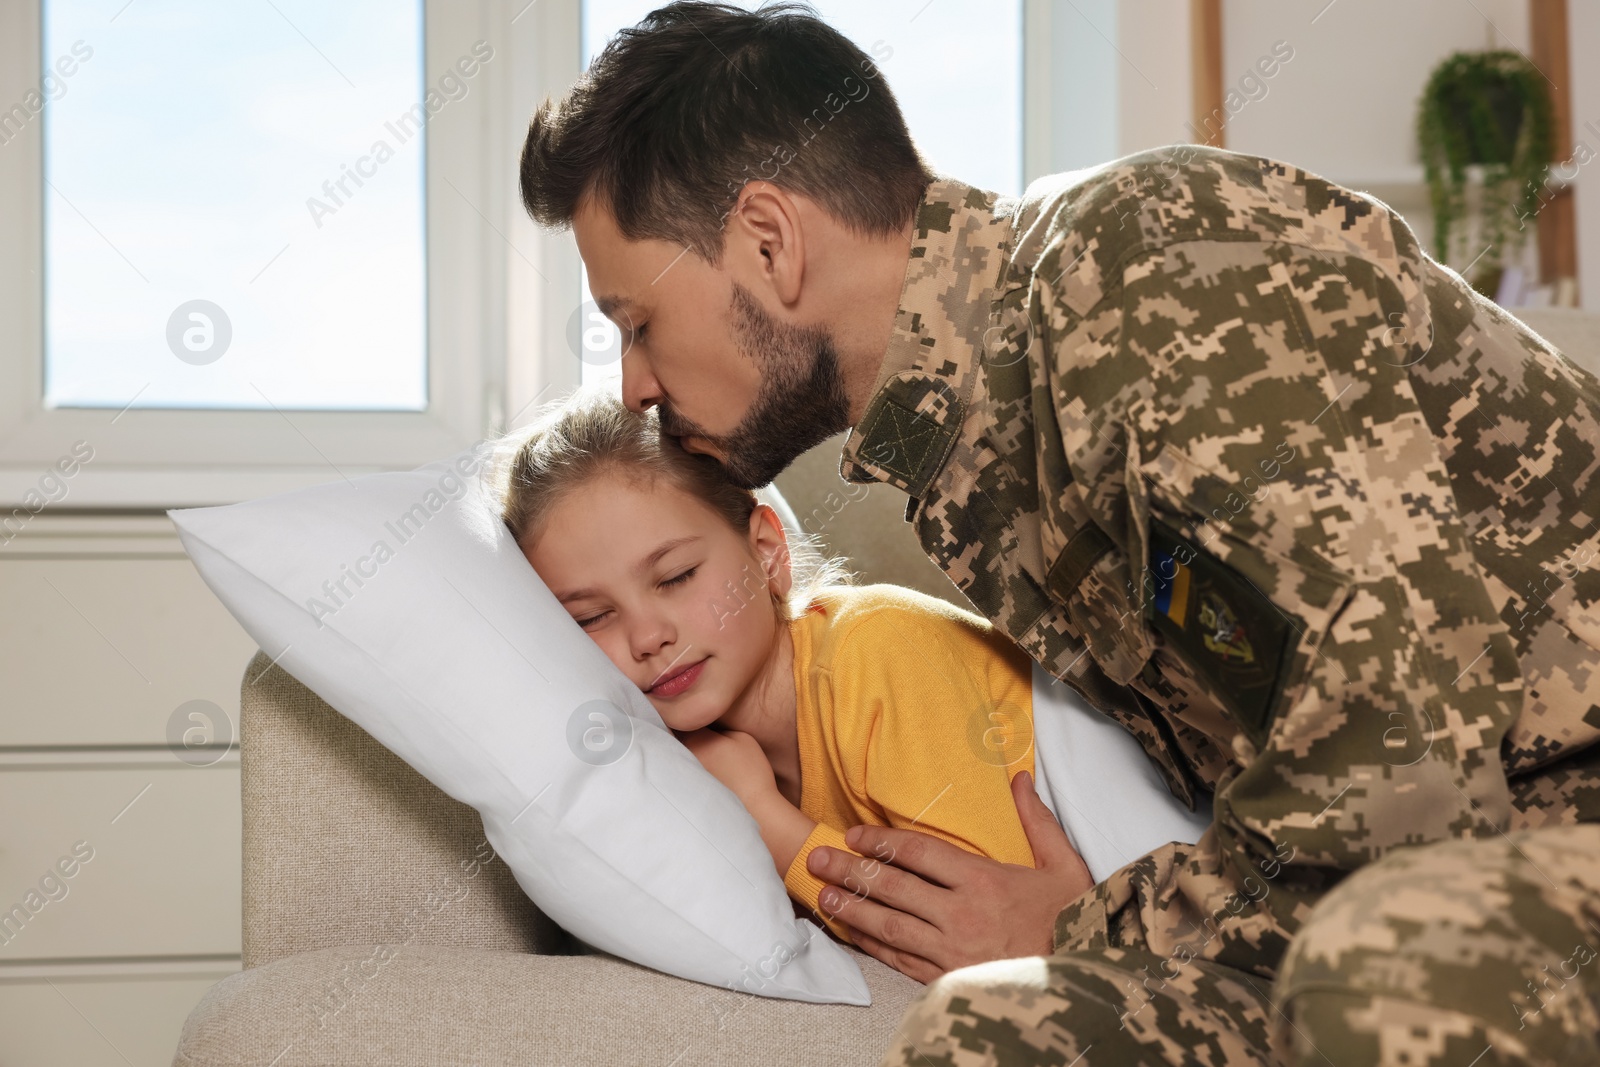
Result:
<point x="1224" y="627"/>
<point x="1172" y="593"/>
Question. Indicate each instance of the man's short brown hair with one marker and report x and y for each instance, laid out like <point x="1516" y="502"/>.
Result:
<point x="680" y="111"/>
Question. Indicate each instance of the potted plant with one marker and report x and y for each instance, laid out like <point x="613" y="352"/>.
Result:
<point x="1490" y="109"/>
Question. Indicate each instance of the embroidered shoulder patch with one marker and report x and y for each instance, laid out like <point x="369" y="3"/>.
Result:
<point x="1229" y="631"/>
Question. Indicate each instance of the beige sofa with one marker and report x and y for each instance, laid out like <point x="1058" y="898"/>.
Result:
<point x="371" y="937"/>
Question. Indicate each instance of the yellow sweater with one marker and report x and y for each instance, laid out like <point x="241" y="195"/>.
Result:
<point x="910" y="713"/>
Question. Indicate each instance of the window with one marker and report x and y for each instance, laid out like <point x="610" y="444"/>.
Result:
<point x="249" y="247"/>
<point x="956" y="70"/>
<point x="233" y="218"/>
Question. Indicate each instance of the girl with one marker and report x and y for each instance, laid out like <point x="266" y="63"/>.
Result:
<point x="820" y="703"/>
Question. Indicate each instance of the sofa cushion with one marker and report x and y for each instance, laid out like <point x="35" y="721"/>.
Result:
<point x="440" y="1006"/>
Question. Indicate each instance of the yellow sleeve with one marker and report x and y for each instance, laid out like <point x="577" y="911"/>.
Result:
<point x="805" y="887"/>
<point x="952" y="701"/>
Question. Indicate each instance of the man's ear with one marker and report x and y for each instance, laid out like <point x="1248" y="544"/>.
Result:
<point x="765" y="242"/>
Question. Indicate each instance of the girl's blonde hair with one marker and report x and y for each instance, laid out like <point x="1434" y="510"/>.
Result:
<point x="573" y="441"/>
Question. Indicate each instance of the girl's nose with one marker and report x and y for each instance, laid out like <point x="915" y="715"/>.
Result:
<point x="652" y="633"/>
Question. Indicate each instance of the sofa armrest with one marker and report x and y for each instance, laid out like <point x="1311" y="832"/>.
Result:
<point x="344" y="843"/>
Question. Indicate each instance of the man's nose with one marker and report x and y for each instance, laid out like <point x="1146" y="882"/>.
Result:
<point x="639" y="387"/>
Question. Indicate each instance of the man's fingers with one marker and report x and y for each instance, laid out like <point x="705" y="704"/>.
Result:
<point x="937" y="861"/>
<point x="901" y="938"/>
<point x="855" y="877"/>
<point x="906" y="963"/>
<point x="1046" y="836"/>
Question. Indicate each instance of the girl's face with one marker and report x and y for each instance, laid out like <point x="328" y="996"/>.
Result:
<point x="662" y="583"/>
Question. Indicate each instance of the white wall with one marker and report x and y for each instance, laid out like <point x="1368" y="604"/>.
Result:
<point x="1344" y="106"/>
<point x="1119" y="79"/>
<point x="1083" y="119"/>
<point x="1153" y="75"/>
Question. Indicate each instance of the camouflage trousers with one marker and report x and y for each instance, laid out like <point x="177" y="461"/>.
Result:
<point x="1472" y="952"/>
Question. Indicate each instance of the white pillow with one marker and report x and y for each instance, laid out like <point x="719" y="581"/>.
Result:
<point x="402" y="600"/>
<point x="1103" y="789"/>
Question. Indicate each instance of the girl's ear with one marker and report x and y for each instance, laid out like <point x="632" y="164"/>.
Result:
<point x="769" y="543"/>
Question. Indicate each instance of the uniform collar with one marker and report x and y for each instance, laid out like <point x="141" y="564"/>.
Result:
<point x="959" y="248"/>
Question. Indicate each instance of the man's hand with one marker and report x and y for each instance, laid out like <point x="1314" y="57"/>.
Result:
<point x="929" y="906"/>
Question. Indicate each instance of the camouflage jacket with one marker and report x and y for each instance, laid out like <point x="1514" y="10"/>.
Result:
<point x="1216" y="443"/>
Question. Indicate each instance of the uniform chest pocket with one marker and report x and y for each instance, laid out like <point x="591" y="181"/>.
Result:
<point x="1246" y="617"/>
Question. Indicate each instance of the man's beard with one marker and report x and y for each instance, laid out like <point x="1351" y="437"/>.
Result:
<point x="800" y="404"/>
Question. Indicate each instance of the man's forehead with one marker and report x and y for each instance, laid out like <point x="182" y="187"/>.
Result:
<point x="599" y="241"/>
<point x="607" y="258"/>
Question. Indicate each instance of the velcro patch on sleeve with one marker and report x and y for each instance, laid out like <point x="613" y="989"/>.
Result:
<point x="1229" y="631"/>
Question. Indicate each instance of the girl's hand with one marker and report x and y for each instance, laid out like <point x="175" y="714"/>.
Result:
<point x="735" y="759"/>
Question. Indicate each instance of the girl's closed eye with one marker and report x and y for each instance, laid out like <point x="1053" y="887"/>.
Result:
<point x="676" y="580"/>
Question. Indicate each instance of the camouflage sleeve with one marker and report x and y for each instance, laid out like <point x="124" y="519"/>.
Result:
<point x="1240" y="417"/>
<point x="1435" y="956"/>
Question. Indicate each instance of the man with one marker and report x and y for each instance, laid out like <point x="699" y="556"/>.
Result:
<point x="1218" y="445"/>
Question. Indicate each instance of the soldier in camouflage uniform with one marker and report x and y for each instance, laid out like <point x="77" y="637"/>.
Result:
<point x="1216" y="442"/>
<point x="1220" y="446"/>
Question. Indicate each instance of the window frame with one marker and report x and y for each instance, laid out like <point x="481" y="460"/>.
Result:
<point x="496" y="288"/>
